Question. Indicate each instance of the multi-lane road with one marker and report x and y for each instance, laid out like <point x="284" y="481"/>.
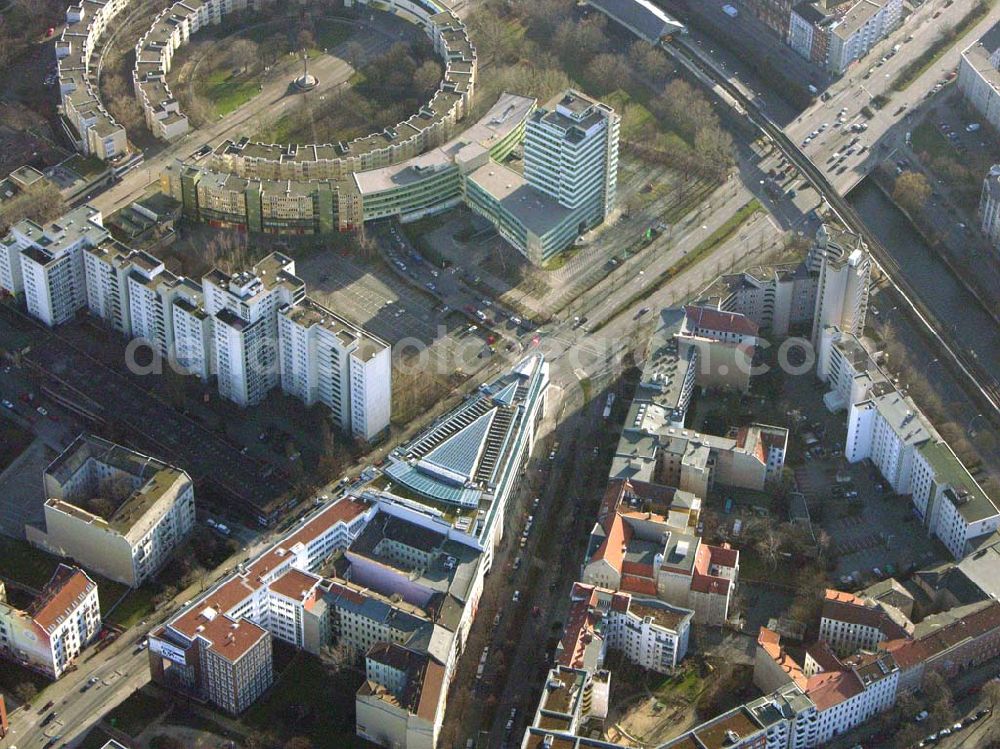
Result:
<point x="887" y="129"/>
<point x="739" y="96"/>
<point x="574" y="354"/>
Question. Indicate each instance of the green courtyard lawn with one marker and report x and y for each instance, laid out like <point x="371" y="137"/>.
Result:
<point x="684" y="685"/>
<point x="330" y="34"/>
<point x="228" y="92"/>
<point x="136" y="713"/>
<point x="23" y="563"/>
<point x="926" y="138"/>
<point x="298" y="703"/>
<point x="134" y="607"/>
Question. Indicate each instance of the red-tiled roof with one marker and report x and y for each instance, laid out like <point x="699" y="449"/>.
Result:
<point x="705" y="557"/>
<point x="831" y="688"/>
<point x="845" y="607"/>
<point x="636" y="584"/>
<point x="233" y="591"/>
<point x="741" y="441"/>
<point x="620" y="602"/>
<point x="342" y="511"/>
<point x="709" y="584"/>
<point x="843" y="596"/>
<point x="61" y="595"/>
<point x="723" y="556"/>
<point x="231" y="639"/>
<point x="221" y="600"/>
<point x="430" y="692"/>
<point x="637" y="568"/>
<point x="909" y="653"/>
<point x="826" y="659"/>
<point x="715" y="319"/>
<point x="618" y="534"/>
<point x="579" y="630"/>
<point x="767" y="638"/>
<point x="347" y="592"/>
<point x="770" y="641"/>
<point x="295" y="584"/>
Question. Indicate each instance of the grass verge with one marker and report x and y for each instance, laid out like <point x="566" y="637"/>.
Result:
<point x="136" y="713"/>
<point x="720" y="235"/>
<point x="684" y="685"/>
<point x="713" y="240"/>
<point x="23" y="563"/>
<point x="947" y="40"/>
<point x="135" y="607"/>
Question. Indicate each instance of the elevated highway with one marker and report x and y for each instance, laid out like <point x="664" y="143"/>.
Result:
<point x="981" y="381"/>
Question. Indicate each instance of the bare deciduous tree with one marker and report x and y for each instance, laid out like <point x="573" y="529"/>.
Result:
<point x="607" y="72"/>
<point x="911" y="191"/>
<point x="40" y="202"/>
<point x="244" y="54"/>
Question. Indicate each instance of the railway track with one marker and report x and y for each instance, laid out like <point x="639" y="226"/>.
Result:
<point x="980" y="379"/>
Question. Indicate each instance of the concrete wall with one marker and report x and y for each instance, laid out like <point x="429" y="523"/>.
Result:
<point x="93" y="545"/>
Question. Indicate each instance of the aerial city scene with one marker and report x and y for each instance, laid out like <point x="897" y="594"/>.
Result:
<point x="499" y="374"/>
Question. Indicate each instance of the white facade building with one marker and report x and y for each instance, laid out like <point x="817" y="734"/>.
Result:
<point x="842" y="290"/>
<point x="326" y="359"/>
<point x="834" y="35"/>
<point x="843" y="693"/>
<point x="849" y="623"/>
<point x="117" y="511"/>
<point x="87" y="123"/>
<point x="150" y="294"/>
<point x="51" y="632"/>
<point x="571" y="155"/>
<point x="949" y="500"/>
<point x="650" y="633"/>
<point x="11" y="278"/>
<point x="864" y="25"/>
<point x="889" y="429"/>
<point x="194" y="334"/>
<point x="106" y="268"/>
<point x="49" y="267"/>
<point x="245" y="310"/>
<point x="979" y="76"/>
<point x="848" y="367"/>
<point x="254" y="330"/>
<point x="276" y="594"/>
<point x="989" y="206"/>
